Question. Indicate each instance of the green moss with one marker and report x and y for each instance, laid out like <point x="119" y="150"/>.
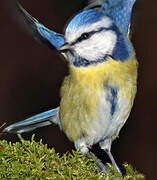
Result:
<point x="34" y="161"/>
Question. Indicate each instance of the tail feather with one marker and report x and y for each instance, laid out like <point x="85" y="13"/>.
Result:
<point x="29" y="124"/>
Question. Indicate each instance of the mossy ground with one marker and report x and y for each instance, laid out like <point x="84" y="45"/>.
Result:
<point x="30" y="160"/>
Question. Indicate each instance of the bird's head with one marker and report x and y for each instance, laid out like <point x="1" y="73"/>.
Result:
<point x="91" y="37"/>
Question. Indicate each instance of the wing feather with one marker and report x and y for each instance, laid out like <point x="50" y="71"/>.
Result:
<point x="118" y="10"/>
<point x="39" y="31"/>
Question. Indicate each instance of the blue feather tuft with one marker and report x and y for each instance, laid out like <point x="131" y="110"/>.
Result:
<point x="120" y="12"/>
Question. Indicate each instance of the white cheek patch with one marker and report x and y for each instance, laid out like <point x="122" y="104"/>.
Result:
<point x="72" y="34"/>
<point x="97" y="46"/>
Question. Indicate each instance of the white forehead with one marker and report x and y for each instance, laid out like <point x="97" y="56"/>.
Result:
<point x="72" y="34"/>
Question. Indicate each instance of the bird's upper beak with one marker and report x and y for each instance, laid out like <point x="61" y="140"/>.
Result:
<point x="64" y="48"/>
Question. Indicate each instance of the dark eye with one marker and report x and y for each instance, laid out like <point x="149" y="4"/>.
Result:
<point x="83" y="36"/>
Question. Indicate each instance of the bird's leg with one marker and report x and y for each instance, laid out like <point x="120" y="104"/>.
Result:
<point x="106" y="146"/>
<point x="84" y="150"/>
<point x="100" y="165"/>
<point x="113" y="161"/>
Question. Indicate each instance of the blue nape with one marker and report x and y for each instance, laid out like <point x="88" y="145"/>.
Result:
<point x="123" y="49"/>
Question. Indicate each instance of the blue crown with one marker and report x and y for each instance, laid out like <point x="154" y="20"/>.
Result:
<point x="85" y="18"/>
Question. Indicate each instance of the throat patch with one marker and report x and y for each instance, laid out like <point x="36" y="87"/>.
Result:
<point x="78" y="62"/>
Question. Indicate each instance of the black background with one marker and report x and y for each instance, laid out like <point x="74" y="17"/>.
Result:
<point x="31" y="75"/>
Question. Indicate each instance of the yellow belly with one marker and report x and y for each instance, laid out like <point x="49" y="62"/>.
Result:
<point x="84" y="88"/>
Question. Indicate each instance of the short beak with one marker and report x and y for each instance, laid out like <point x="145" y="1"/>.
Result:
<point x="64" y="48"/>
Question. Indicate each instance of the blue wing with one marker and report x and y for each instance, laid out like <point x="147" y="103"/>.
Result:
<point x="118" y="10"/>
<point x="29" y="124"/>
<point x="39" y="31"/>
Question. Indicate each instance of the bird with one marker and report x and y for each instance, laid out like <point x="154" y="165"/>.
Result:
<point x="98" y="94"/>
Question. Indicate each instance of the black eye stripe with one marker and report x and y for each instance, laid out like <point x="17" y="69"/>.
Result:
<point x="87" y="35"/>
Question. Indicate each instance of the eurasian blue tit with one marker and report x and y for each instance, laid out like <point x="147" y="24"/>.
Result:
<point x="98" y="94"/>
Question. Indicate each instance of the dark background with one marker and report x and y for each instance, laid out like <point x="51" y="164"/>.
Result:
<point x="31" y="75"/>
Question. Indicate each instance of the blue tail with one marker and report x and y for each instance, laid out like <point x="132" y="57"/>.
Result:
<point x="39" y="120"/>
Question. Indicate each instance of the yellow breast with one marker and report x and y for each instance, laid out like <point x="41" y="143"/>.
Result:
<point x="82" y="90"/>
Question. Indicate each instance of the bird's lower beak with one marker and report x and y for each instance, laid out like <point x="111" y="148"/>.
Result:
<point x="64" y="48"/>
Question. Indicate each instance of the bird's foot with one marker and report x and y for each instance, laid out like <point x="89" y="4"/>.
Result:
<point x="101" y="166"/>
